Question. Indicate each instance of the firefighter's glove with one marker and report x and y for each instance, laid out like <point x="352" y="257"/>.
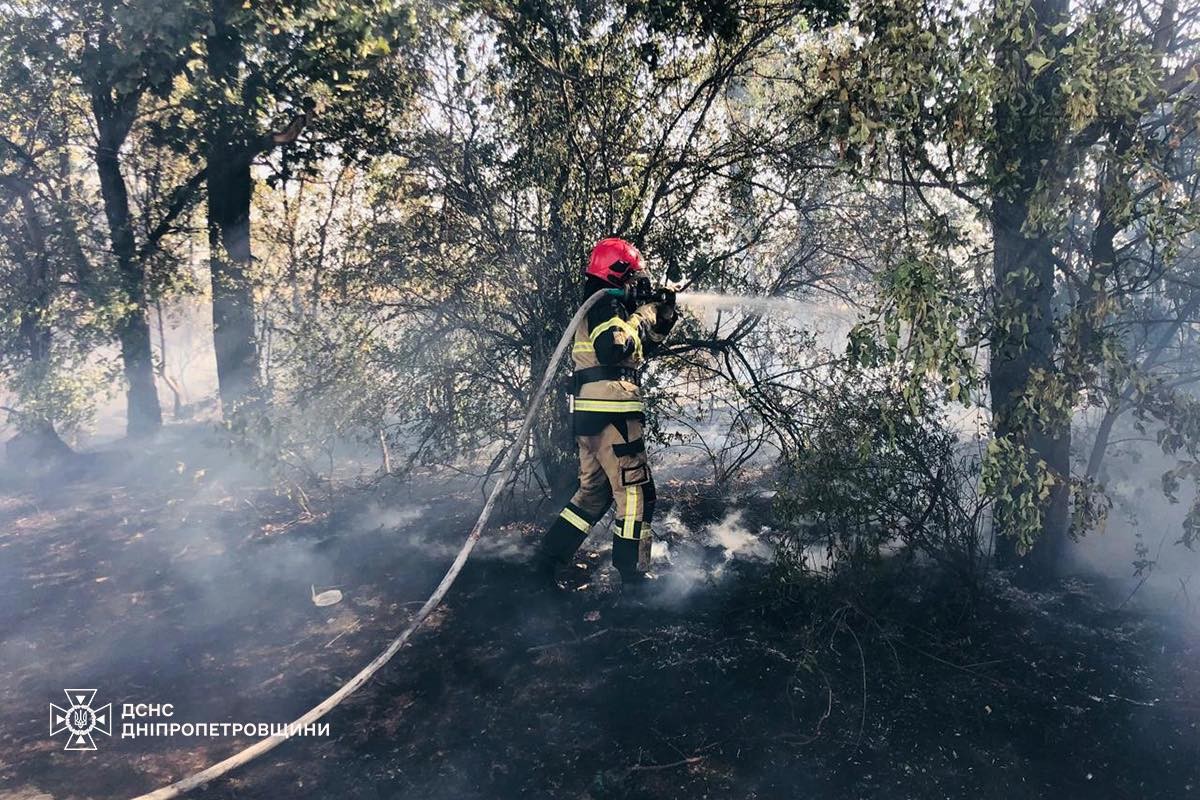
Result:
<point x="666" y="304"/>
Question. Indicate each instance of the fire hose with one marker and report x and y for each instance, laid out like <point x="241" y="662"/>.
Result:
<point x="269" y="743"/>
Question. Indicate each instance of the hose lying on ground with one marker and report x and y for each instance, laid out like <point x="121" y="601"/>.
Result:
<point x="269" y="743"/>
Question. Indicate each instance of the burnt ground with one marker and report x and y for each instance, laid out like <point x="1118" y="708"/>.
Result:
<point x="162" y="575"/>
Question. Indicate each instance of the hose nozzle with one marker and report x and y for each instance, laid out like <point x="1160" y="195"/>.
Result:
<point x="641" y="291"/>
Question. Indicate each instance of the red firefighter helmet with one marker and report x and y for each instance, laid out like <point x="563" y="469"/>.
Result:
<point x="613" y="260"/>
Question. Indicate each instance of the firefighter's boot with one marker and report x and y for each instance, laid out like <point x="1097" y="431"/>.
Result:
<point x="625" y="559"/>
<point x="559" y="543"/>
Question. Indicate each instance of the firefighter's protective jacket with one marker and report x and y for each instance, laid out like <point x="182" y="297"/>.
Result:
<point x="610" y="346"/>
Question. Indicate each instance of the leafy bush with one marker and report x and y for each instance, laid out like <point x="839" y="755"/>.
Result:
<point x="58" y="395"/>
<point x="874" y="479"/>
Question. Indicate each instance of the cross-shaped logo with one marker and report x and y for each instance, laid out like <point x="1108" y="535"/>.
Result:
<point x="79" y="719"/>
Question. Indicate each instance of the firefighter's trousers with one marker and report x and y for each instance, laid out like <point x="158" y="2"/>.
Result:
<point x="612" y="466"/>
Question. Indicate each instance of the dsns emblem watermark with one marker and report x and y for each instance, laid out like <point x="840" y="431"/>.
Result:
<point x="79" y="719"/>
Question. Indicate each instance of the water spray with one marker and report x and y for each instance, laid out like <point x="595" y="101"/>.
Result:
<point x="756" y="305"/>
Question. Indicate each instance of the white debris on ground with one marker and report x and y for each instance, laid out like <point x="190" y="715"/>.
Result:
<point x="327" y="598"/>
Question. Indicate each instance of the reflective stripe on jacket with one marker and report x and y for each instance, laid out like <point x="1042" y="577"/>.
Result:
<point x="610" y="347"/>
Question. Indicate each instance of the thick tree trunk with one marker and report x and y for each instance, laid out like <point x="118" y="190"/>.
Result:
<point x="1023" y="272"/>
<point x="230" y="186"/>
<point x="144" y="412"/>
<point x="37" y="444"/>
<point x="234" y="337"/>
<point x="1024" y="279"/>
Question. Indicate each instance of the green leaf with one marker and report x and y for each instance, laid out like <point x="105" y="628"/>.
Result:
<point x="1037" y="61"/>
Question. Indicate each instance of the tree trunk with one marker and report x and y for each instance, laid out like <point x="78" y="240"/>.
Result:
<point x="40" y="283"/>
<point x="1103" y="434"/>
<point x="1024" y="279"/>
<point x="230" y="186"/>
<point x="36" y="439"/>
<point x="172" y="384"/>
<point x="557" y="451"/>
<point x="133" y="332"/>
<point x="234" y="339"/>
<point x="1023" y="271"/>
<point x="1118" y="404"/>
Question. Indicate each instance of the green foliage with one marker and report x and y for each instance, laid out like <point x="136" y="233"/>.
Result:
<point x="61" y="393"/>
<point x="130" y="47"/>
<point x="350" y="66"/>
<point x="1020" y="483"/>
<point x="1053" y="124"/>
<point x="874" y="478"/>
<point x="920" y="320"/>
<point x="52" y="313"/>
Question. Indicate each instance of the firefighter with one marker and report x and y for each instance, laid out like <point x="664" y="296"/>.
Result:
<point x="610" y="346"/>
